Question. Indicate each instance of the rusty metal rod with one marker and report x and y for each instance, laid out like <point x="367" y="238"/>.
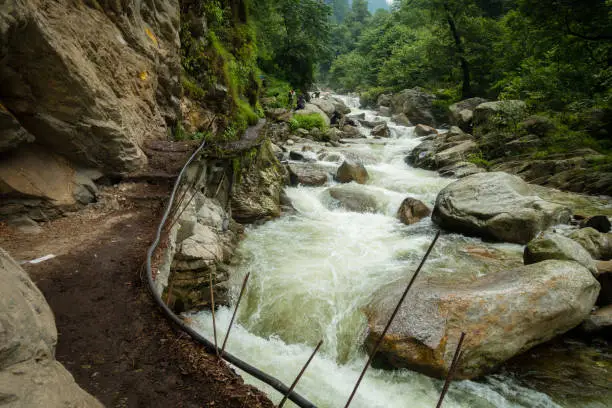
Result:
<point x="244" y="283"/>
<point x="380" y="339"/>
<point x="297" y="379"/>
<point x="451" y="370"/>
<point x="212" y="301"/>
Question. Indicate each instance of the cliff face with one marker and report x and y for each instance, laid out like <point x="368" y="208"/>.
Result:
<point x="86" y="83"/>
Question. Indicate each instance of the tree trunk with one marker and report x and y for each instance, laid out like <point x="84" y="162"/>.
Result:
<point x="466" y="90"/>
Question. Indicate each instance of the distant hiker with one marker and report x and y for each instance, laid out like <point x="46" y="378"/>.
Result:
<point x="291" y="98"/>
<point x="335" y="118"/>
<point x="301" y="102"/>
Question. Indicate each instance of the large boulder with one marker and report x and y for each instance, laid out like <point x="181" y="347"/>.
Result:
<point x="257" y="190"/>
<point x="92" y="82"/>
<point x="384" y="100"/>
<point x="599" y="245"/>
<point x="416" y="104"/>
<point x="424" y="130"/>
<point x="496" y="206"/>
<point x="325" y="105"/>
<point x="41" y="184"/>
<point x="310" y="109"/>
<point x="462" y="113"/>
<point x="29" y="374"/>
<point x="503" y="314"/>
<point x="457" y="153"/>
<point x="340" y="106"/>
<point x="412" y="211"/>
<point x="499" y="113"/>
<point x="350" y="171"/>
<point x="401" y="119"/>
<point x="555" y="246"/>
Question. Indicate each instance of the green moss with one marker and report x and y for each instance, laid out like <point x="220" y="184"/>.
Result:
<point x="192" y="89"/>
<point x="479" y="160"/>
<point x="181" y="135"/>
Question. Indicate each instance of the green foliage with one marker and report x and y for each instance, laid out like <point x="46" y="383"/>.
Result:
<point x="293" y="38"/>
<point x="308" y="122"/>
<point x="181" y="135"/>
<point x="192" y="89"/>
<point x="479" y="160"/>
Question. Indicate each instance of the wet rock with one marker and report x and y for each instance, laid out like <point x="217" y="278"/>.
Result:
<point x="496" y="206"/>
<point x="29" y="374"/>
<point x="424" y="130"/>
<point x="357" y="116"/>
<point x="461" y="113"/>
<point x="355" y="199"/>
<point x="401" y="119"/>
<point x="599" y="322"/>
<point x="257" y="193"/>
<point x="460" y="169"/>
<point x="340" y="106"/>
<point x="555" y="246"/>
<point x="381" y="130"/>
<point x="503" y="314"/>
<point x="599" y="245"/>
<point x="599" y="222"/>
<point x="293" y="155"/>
<point x="412" y="211"/>
<point x="370" y="124"/>
<point x="455" y="154"/>
<point x="307" y="175"/>
<point x="350" y="132"/>
<point x="351" y="171"/>
<point x="423" y="156"/>
<point x="384" y="111"/>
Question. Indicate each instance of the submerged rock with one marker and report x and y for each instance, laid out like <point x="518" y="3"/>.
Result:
<point x="496" y="206"/>
<point x="555" y="246"/>
<point x="355" y="199"/>
<point x="412" y="211"/>
<point x="503" y="314"/>
<point x="351" y="171"/>
<point x="29" y="374"/>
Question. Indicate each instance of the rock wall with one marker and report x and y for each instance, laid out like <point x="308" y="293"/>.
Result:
<point x="29" y="374"/>
<point x="89" y="82"/>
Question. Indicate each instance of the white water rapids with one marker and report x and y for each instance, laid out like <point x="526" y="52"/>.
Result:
<point x="314" y="270"/>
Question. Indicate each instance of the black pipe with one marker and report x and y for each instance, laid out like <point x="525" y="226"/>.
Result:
<point x="244" y="366"/>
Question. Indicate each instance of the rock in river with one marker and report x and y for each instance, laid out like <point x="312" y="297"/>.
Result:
<point x="412" y="211"/>
<point x="496" y="206"/>
<point x="503" y="314"/>
<point x="350" y="171"/>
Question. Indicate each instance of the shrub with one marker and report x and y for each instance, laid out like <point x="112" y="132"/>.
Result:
<point x="308" y="122"/>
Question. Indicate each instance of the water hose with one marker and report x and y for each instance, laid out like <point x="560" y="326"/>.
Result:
<point x="244" y="366"/>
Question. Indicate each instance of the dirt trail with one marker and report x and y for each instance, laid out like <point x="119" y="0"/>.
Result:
<point x="111" y="336"/>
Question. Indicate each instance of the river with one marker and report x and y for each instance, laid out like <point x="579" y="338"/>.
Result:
<point x="315" y="269"/>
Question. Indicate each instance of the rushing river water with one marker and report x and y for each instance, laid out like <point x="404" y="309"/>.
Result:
<point x="314" y="270"/>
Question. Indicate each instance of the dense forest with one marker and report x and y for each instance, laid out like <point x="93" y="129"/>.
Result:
<point x="553" y="54"/>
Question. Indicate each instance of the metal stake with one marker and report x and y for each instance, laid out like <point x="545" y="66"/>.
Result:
<point x="297" y="379"/>
<point x="212" y="300"/>
<point x="244" y="283"/>
<point x="380" y="339"/>
<point x="451" y="370"/>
